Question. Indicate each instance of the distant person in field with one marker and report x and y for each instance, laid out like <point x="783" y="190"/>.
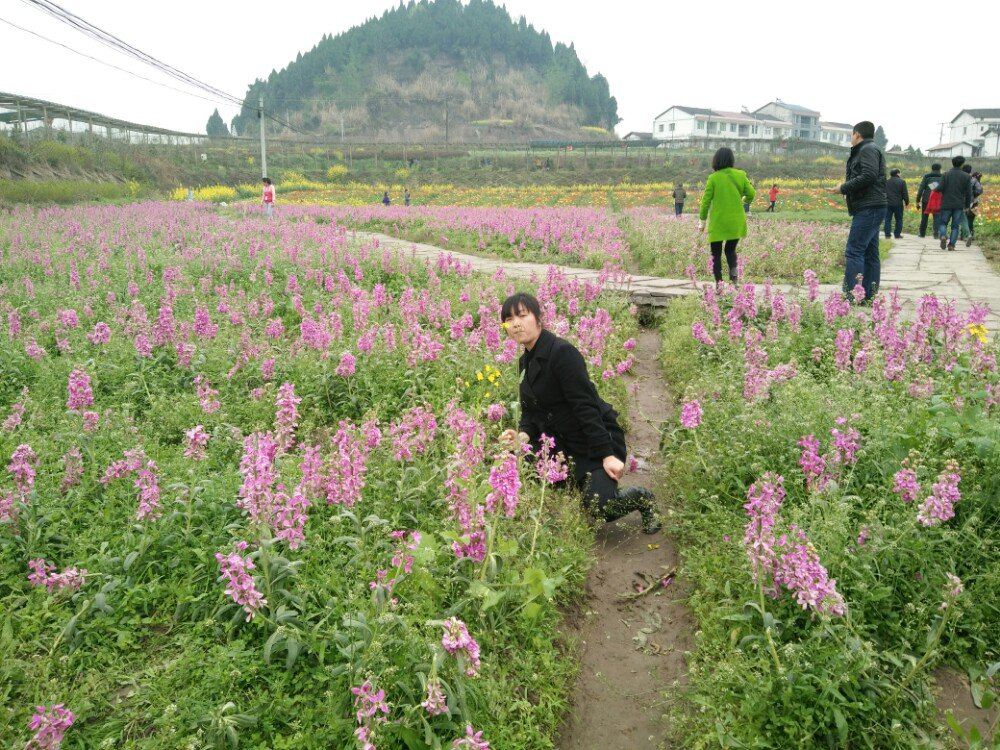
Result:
<point x="385" y="198"/>
<point x="267" y="198"/>
<point x="406" y="197"/>
<point x="864" y="188"/>
<point x="772" y="196"/>
<point x="680" y="195"/>
<point x="896" y="196"/>
<point x="559" y="399"/>
<point x="727" y="191"/>
<point x="977" y="194"/>
<point x="929" y="201"/>
<point x="956" y="198"/>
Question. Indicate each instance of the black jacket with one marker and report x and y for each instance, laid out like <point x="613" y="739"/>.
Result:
<point x="865" y="184"/>
<point x="927" y="185"/>
<point x="955" y="189"/>
<point x="896" y="192"/>
<point x="559" y="399"/>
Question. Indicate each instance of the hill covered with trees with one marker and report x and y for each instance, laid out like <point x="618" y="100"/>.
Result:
<point x="432" y="70"/>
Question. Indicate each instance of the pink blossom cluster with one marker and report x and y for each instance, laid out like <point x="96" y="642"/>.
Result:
<point x="905" y="483"/>
<point x="939" y="506"/>
<point x="287" y="416"/>
<point x="196" y="443"/>
<point x="505" y="484"/>
<point x="413" y="433"/>
<point x="691" y="414"/>
<point x="436" y="702"/>
<point x="458" y="642"/>
<point x="17" y="409"/>
<point x="235" y="572"/>
<point x="44" y="574"/>
<point x="550" y="464"/>
<point x="472" y="740"/>
<point x="72" y="469"/>
<point x="370" y="708"/>
<point x="50" y="724"/>
<point x="101" y="334"/>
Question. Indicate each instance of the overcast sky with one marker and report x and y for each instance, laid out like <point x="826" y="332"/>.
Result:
<point x="850" y="61"/>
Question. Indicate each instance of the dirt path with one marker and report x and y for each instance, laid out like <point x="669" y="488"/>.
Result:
<point x="630" y="652"/>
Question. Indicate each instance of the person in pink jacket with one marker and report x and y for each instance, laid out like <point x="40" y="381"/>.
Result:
<point x="268" y="196"/>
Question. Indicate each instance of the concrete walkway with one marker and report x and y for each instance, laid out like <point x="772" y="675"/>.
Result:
<point x="915" y="266"/>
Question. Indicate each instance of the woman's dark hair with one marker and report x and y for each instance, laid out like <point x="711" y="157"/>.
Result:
<point x="266" y="180"/>
<point x="894" y="173"/>
<point x="519" y="302"/>
<point x="935" y="167"/>
<point x="723" y="159"/>
<point x="967" y="168"/>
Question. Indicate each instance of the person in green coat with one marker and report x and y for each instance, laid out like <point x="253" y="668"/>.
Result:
<point x="726" y="189"/>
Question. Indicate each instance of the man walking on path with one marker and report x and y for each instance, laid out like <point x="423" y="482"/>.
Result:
<point x="956" y="197"/>
<point x="896" y="196"/>
<point x="927" y="187"/>
<point x="864" y="189"/>
<point x="680" y="195"/>
<point x="772" y="195"/>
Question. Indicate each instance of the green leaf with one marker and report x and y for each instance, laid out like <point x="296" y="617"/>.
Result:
<point x="838" y="717"/>
<point x="294" y="647"/>
<point x="531" y="610"/>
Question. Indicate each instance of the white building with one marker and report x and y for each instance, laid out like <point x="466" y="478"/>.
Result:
<point x="991" y="142"/>
<point x="763" y="129"/>
<point x="682" y="123"/>
<point x="957" y="148"/>
<point x="836" y="133"/>
<point x="637" y="135"/>
<point x="804" y="121"/>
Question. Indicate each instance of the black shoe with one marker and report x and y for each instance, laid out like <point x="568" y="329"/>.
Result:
<point x="897" y="236"/>
<point x="944" y="242"/>
<point x="968" y="241"/>
<point x="951" y="248"/>
<point x="630" y="499"/>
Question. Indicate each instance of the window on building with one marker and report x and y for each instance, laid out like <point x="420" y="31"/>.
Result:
<point x="671" y="127"/>
<point x="732" y="127"/>
<point x="963" y="130"/>
<point x="660" y="128"/>
<point x="701" y="124"/>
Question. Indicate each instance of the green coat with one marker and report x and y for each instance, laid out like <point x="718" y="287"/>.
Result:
<point x="722" y="204"/>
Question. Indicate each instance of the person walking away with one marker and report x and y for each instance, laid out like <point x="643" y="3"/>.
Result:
<point x="727" y="189"/>
<point x="956" y="196"/>
<point x="385" y="198"/>
<point x="896" y="197"/>
<point x="267" y="197"/>
<point x="864" y="188"/>
<point x="680" y="195"/>
<point x="559" y="400"/>
<point x="928" y="184"/>
<point x="406" y="197"/>
<point x="772" y="195"/>
<point x="977" y="194"/>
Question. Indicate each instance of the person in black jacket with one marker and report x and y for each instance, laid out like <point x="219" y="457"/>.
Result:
<point x="928" y="184"/>
<point x="956" y="198"/>
<point x="864" y="189"/>
<point x="896" y="196"/>
<point x="559" y="399"/>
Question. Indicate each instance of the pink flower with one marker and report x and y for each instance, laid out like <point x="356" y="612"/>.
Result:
<point x="940" y="505"/>
<point x="691" y="414"/>
<point x="90" y="420"/>
<point x="458" y="642"/>
<point x="346" y="468"/>
<point x="435" y="703"/>
<point x="812" y="463"/>
<point x="905" y="484"/>
<point x="287" y="416"/>
<point x="369" y="703"/>
<point x="290" y="513"/>
<point x="413" y="434"/>
<point x="79" y="390"/>
<point x="197" y="440"/>
<point x="49" y="723"/>
<point x="496" y="412"/>
<point x="22" y="467"/>
<point x="347" y="365"/>
<point x="206" y="395"/>
<point x="235" y="572"/>
<point x="471" y="741"/>
<point x="551" y="466"/>
<point x="149" y="492"/>
<point x="100" y="335"/>
<point x="505" y="484"/>
<point x="43" y="574"/>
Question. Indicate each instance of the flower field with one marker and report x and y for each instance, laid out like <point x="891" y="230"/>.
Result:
<point x="835" y="478"/>
<point x="252" y="490"/>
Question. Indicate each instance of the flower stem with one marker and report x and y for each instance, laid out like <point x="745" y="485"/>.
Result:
<point x="538" y="520"/>
<point x="767" y="629"/>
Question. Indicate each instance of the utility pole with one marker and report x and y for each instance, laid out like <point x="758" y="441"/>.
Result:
<point x="263" y="145"/>
<point x="341" y="130"/>
<point x="446" y="122"/>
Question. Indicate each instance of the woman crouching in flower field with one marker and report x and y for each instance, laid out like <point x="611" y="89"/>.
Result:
<point x="561" y="411"/>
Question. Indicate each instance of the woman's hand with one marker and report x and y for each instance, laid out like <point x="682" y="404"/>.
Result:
<point x="614" y="467"/>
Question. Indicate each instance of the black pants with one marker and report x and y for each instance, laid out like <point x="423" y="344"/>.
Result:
<point x="589" y="475"/>
<point x="894" y="213"/>
<point x="971" y="216"/>
<point x="923" y="223"/>
<point x="771" y="207"/>
<point x="730" y="249"/>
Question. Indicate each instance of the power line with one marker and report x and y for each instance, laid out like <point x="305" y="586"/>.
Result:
<point x="110" y="40"/>
<point x="103" y="62"/>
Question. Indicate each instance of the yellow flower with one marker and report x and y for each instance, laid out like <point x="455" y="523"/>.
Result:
<point x="978" y="330"/>
<point x="479" y="376"/>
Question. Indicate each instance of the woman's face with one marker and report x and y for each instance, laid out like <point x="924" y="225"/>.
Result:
<point x="523" y="327"/>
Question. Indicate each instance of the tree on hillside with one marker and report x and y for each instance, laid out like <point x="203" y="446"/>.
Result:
<point x="880" y="138"/>
<point x="216" y="128"/>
